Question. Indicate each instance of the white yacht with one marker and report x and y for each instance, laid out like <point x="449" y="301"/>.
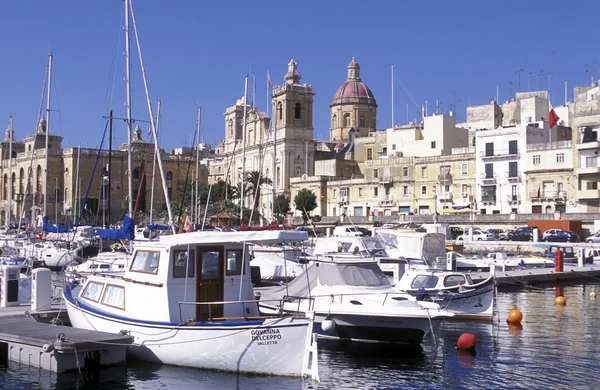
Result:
<point x="188" y="300"/>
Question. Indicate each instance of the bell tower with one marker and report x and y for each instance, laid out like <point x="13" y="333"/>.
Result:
<point x="293" y="106"/>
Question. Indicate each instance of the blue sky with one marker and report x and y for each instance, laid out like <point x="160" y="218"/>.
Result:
<point x="199" y="52"/>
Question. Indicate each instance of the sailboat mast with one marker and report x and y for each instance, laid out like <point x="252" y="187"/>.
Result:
<point x="154" y="163"/>
<point x="129" y="120"/>
<point x="49" y="89"/>
<point x="393" y="97"/>
<point x="274" y="127"/>
<point x="152" y="121"/>
<point x="196" y="206"/>
<point x="77" y="202"/>
<point x="10" y="194"/>
<point x="110" y="137"/>
<point x="242" y="194"/>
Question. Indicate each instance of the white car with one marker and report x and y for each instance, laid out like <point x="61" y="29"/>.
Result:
<point x="478" y="235"/>
<point x="550" y="232"/>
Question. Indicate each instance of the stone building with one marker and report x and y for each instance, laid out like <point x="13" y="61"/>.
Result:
<point x="71" y="175"/>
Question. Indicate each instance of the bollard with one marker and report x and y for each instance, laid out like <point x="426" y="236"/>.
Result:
<point x="10" y="279"/>
<point x="451" y="261"/>
<point x="536" y="235"/>
<point x="558" y="261"/>
<point x="41" y="290"/>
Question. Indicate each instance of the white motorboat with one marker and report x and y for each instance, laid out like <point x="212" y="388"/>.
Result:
<point x="500" y="261"/>
<point x="188" y="300"/>
<point x="277" y="263"/>
<point x="454" y="291"/>
<point x="353" y="299"/>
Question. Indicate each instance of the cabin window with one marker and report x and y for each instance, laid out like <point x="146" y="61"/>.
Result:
<point x="424" y="281"/>
<point x="183" y="260"/>
<point x="234" y="262"/>
<point x="92" y="291"/>
<point x="145" y="261"/>
<point x="114" y="296"/>
<point x="453" y="280"/>
<point x="210" y="265"/>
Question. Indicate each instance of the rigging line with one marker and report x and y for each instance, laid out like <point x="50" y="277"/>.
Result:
<point x="187" y="176"/>
<point x="108" y="97"/>
<point x="87" y="191"/>
<point x="42" y="99"/>
<point x="405" y="90"/>
<point x="57" y="96"/>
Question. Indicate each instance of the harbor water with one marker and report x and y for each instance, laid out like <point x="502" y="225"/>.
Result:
<point x="554" y="347"/>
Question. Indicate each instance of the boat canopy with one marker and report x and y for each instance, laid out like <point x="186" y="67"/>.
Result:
<point x="125" y="232"/>
<point x="46" y="227"/>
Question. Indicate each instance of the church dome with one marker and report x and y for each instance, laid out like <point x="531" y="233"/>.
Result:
<point x="353" y="90"/>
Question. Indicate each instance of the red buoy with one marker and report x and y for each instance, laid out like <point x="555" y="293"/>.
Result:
<point x="466" y="342"/>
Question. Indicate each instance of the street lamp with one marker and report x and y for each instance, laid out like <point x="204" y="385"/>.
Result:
<point x="435" y="205"/>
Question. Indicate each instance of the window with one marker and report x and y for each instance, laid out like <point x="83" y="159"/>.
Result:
<point x="145" y="261"/>
<point x="362" y="121"/>
<point x="92" y="291"/>
<point x="280" y="111"/>
<point x="210" y="265"/>
<point x="560" y="157"/>
<point x="393" y="146"/>
<point x="384" y="151"/>
<point x="346" y="120"/>
<point x="432" y="144"/>
<point x="404" y="171"/>
<point x="423" y="172"/>
<point x="488" y="194"/>
<point x="375" y="173"/>
<point x="514" y="192"/>
<point x="169" y="175"/>
<point x="489" y="149"/>
<point x="369" y="154"/>
<point x="495" y="211"/>
<point x="465" y="169"/>
<point x="114" y="296"/>
<point x="591" y="162"/>
<point x="170" y="193"/>
<point x="405" y="190"/>
<point x="234" y="262"/>
<point x="512" y="147"/>
<point x="297" y="111"/>
<point x="375" y="191"/>
<point x="183" y="260"/>
<point x="465" y="189"/>
<point x="536" y="159"/>
<point x="424" y="190"/>
<point x="360" y="192"/>
<point x="230" y="125"/>
<point x="445" y="169"/>
<point x="334" y="121"/>
<point x="489" y="171"/>
<point x="513" y="169"/>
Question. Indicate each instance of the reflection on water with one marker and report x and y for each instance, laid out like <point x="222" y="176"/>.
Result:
<point x="553" y="347"/>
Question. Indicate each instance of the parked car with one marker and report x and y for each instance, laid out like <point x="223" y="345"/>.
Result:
<point x="524" y="233"/>
<point x="560" y="235"/>
<point x="594" y="238"/>
<point x="503" y="236"/>
<point x="345" y="231"/>
<point x="550" y="232"/>
<point x="455" y="231"/>
<point x="478" y="235"/>
<point x="496" y="232"/>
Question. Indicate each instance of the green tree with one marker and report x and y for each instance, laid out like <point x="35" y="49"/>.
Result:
<point x="305" y="201"/>
<point x="281" y="207"/>
<point x="254" y="181"/>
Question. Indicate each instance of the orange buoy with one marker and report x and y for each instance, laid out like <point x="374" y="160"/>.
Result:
<point x="514" y="317"/>
<point x="466" y="342"/>
<point x="560" y="300"/>
<point x="511" y="307"/>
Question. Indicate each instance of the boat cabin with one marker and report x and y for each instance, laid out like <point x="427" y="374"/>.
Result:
<point x="191" y="277"/>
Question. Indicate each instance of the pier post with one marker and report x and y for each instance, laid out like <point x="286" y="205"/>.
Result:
<point x="41" y="290"/>
<point x="9" y="288"/>
<point x="580" y="257"/>
<point x="558" y="261"/>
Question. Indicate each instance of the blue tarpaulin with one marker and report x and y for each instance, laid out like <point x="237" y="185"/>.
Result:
<point x="455" y="207"/>
<point x="125" y="232"/>
<point x="52" y="228"/>
<point x="158" y="227"/>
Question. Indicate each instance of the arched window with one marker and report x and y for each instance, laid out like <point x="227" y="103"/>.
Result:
<point x="5" y="189"/>
<point x="57" y="194"/>
<point x="169" y="175"/>
<point x="297" y="111"/>
<point x="12" y="185"/>
<point x="334" y="121"/>
<point x="136" y="174"/>
<point x="230" y="125"/>
<point x="29" y="180"/>
<point x="38" y="179"/>
<point x="280" y="111"/>
<point x="21" y="180"/>
<point x="473" y="141"/>
<point x="278" y="177"/>
<point x="346" y="120"/>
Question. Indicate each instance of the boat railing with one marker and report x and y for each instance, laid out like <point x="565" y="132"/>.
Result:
<point x="245" y="304"/>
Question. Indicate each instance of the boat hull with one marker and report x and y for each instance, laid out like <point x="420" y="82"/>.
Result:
<point x="268" y="346"/>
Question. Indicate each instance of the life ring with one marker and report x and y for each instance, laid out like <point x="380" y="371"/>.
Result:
<point x="116" y="246"/>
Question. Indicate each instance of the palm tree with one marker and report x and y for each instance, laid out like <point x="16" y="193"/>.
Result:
<point x="254" y="181"/>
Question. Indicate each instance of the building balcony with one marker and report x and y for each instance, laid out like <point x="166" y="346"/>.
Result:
<point x="488" y="178"/>
<point x="548" y="196"/>
<point x="499" y="154"/>
<point x="588" y="194"/>
<point x="445" y="196"/>
<point x="588" y="168"/>
<point x="512" y="176"/>
<point x="386" y="180"/>
<point x="488" y="200"/>
<point x="445" y="177"/>
<point x="513" y="199"/>
<point x="591" y="145"/>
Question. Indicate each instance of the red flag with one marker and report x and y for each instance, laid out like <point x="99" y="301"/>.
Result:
<point x="553" y="118"/>
<point x="187" y="226"/>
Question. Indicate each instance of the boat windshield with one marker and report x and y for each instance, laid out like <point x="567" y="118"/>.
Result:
<point x="374" y="247"/>
<point x="364" y="275"/>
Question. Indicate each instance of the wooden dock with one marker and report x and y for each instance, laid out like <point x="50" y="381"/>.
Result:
<point x="58" y="348"/>
<point x="540" y="276"/>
